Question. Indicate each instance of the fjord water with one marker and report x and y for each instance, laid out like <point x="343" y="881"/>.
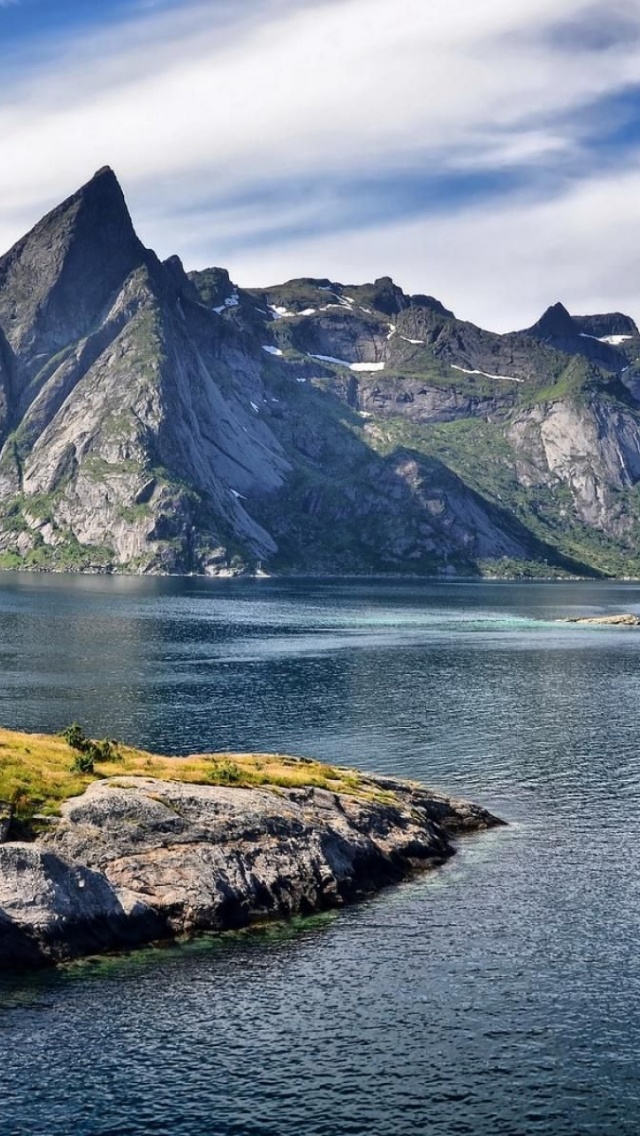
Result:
<point x="500" y="994"/>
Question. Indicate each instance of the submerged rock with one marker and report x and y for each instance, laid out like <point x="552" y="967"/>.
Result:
<point x="136" y="859"/>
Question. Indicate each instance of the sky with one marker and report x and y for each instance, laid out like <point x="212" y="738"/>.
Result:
<point x="486" y="153"/>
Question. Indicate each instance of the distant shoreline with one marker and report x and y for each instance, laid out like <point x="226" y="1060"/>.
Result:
<point x="293" y="576"/>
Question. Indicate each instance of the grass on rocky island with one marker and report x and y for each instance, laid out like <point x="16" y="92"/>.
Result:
<point x="38" y="772"/>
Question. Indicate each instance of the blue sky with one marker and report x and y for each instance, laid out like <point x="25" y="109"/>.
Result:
<point x="488" y="153"/>
<point x="34" y="17"/>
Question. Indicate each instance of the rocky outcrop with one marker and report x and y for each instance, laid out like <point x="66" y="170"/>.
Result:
<point x="622" y="620"/>
<point x="137" y="859"/>
<point x="422" y="402"/>
<point x="607" y="325"/>
<point x="52" y="910"/>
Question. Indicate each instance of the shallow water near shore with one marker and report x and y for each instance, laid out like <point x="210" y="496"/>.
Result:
<point x="500" y="994"/>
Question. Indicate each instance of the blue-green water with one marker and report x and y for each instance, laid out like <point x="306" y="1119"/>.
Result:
<point x="499" y="995"/>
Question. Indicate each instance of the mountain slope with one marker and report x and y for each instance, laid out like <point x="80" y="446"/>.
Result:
<point x="154" y="420"/>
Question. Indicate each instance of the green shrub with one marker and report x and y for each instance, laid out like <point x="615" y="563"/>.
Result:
<point x="75" y="736"/>
<point x="83" y="763"/>
<point x="89" y="751"/>
<point x="106" y="750"/>
<point x="225" y="773"/>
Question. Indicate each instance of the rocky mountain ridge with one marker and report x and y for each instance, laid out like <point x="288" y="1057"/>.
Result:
<point x="153" y="420"/>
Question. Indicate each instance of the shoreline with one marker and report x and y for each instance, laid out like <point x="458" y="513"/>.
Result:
<point x="206" y="843"/>
<point x="232" y="577"/>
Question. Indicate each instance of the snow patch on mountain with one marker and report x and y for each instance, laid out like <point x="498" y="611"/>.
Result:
<point x="486" y="375"/>
<point x="345" y="363"/>
<point x="230" y="302"/>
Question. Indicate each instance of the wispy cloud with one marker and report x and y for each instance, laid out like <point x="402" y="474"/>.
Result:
<point x="497" y="263"/>
<point x="290" y="137"/>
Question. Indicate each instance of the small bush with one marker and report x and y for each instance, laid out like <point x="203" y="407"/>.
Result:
<point x="21" y="804"/>
<point x="75" y="736"/>
<point x="89" y="751"/>
<point x="225" y="773"/>
<point x="83" y="763"/>
<point x="106" y="750"/>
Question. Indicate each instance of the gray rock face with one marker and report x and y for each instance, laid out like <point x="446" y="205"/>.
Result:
<point x="125" y="442"/>
<point x="593" y="449"/>
<point x="136" y="859"/>
<point x="59" y="278"/>
<point x="7" y="384"/>
<point x="421" y="402"/>
<point x="606" y="324"/>
<point x="51" y="909"/>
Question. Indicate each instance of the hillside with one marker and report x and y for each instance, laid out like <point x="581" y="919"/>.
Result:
<point x="157" y="421"/>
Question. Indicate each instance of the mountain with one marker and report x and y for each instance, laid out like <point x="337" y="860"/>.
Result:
<point x="596" y="337"/>
<point x="154" y="420"/>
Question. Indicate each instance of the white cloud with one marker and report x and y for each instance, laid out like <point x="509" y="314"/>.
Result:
<point x="198" y="105"/>
<point x="499" y="266"/>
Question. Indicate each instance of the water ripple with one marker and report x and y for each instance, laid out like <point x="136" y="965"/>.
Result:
<point x="498" y="995"/>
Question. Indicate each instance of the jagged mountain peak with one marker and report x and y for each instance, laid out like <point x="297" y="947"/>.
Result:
<point x="56" y="281"/>
<point x="556" y="321"/>
<point x="388" y="297"/>
<point x="104" y="172"/>
<point x="100" y="199"/>
<point x="184" y="286"/>
<point x="104" y="182"/>
<point x="103" y="197"/>
<point x="595" y="337"/>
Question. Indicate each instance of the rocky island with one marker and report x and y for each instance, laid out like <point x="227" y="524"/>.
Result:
<point x="619" y="620"/>
<point x="103" y="846"/>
